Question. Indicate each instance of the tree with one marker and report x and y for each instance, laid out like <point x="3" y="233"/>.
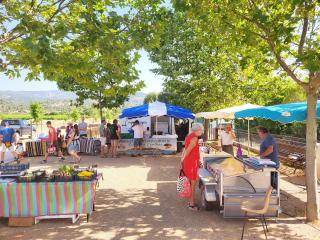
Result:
<point x="151" y="97"/>
<point x="286" y="36"/>
<point x="204" y="74"/>
<point x="36" y="112"/>
<point x="48" y="38"/>
<point x="75" y="114"/>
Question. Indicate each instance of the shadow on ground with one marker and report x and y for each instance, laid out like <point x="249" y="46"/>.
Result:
<point x="144" y="212"/>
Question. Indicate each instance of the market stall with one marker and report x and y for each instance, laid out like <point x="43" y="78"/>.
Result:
<point x="158" y="121"/>
<point x="228" y="114"/>
<point x="284" y="113"/>
<point x="232" y="182"/>
<point x="65" y="193"/>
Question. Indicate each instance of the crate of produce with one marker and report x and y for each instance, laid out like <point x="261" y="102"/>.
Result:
<point x="85" y="175"/>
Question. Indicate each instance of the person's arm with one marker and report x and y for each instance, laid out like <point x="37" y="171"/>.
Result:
<point x="51" y="140"/>
<point x="118" y="132"/>
<point x="187" y="151"/>
<point x="267" y="152"/>
<point x="71" y="137"/>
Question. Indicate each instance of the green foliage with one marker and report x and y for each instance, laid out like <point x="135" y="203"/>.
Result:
<point x="205" y="72"/>
<point x="60" y="39"/>
<point x="57" y="116"/>
<point x="36" y="112"/>
<point x="151" y="97"/>
<point x="75" y="114"/>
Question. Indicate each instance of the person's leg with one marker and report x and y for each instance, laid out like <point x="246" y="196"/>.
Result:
<point x="140" y="143"/>
<point x="193" y="188"/>
<point x="116" y="148"/>
<point x="135" y="144"/>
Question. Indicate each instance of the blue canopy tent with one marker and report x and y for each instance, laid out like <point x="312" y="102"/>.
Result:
<point x="285" y="113"/>
<point x="157" y="109"/>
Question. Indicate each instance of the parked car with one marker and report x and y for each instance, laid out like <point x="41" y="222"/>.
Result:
<point x="21" y="126"/>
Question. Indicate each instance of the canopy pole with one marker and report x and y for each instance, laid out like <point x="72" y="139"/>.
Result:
<point x="248" y="136"/>
<point x="156" y="125"/>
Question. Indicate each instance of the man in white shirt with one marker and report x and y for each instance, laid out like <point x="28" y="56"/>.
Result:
<point x="227" y="137"/>
<point x="138" y="135"/>
<point x="83" y="126"/>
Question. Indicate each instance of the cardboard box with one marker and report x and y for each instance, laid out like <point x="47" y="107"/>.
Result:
<point x="21" y="221"/>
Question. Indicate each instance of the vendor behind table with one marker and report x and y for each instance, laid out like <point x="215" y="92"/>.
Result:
<point x="227" y="137"/>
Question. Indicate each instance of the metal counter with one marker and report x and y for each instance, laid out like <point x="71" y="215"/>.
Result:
<point x="227" y="182"/>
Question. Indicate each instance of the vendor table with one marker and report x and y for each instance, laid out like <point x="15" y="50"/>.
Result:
<point x="167" y="144"/>
<point x="46" y="198"/>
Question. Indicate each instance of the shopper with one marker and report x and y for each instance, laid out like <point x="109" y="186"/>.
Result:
<point x="7" y="133"/>
<point x="60" y="143"/>
<point x="190" y="161"/>
<point x="68" y="130"/>
<point x="17" y="148"/>
<point x="108" y="138"/>
<point x="72" y="145"/>
<point x="227" y="137"/>
<point x="137" y="135"/>
<point x="115" y="136"/>
<point x="102" y="136"/>
<point x="268" y="146"/>
<point x="83" y="128"/>
<point x="51" y="143"/>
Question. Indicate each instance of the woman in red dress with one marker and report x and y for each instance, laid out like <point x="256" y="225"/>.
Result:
<point x="190" y="160"/>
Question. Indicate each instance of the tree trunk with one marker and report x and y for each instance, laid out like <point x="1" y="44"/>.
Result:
<point x="311" y="161"/>
<point x="100" y="107"/>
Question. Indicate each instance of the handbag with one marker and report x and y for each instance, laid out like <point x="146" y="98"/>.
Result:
<point x="183" y="186"/>
<point x="51" y="150"/>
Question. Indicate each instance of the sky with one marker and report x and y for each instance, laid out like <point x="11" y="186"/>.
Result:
<point x="152" y="81"/>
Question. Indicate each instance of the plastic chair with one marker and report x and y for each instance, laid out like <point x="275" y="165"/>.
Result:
<point x="261" y="212"/>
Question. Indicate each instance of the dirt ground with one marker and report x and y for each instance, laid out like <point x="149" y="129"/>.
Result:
<point x="137" y="200"/>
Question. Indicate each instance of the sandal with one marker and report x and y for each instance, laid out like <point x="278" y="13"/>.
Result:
<point x="193" y="207"/>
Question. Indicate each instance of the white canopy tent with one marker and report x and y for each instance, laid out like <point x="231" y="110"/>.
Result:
<point x="229" y="113"/>
<point x="226" y="113"/>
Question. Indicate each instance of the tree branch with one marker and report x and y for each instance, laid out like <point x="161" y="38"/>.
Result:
<point x="272" y="45"/>
<point x="303" y="34"/>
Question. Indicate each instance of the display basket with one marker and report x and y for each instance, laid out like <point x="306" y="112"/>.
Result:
<point x="14" y="167"/>
<point x="85" y="178"/>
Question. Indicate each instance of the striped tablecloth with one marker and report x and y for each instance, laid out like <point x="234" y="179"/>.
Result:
<point x="36" y="148"/>
<point x="46" y="198"/>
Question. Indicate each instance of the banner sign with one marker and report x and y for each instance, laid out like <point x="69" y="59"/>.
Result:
<point x="166" y="144"/>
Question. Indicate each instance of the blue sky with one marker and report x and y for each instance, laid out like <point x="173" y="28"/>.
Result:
<point x="153" y="82"/>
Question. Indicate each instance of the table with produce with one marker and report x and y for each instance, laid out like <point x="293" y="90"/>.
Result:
<point x="64" y="191"/>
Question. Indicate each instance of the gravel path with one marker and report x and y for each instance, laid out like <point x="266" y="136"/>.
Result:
<point x="137" y="200"/>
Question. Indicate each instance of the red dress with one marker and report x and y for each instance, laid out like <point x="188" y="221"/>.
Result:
<point x="191" y="162"/>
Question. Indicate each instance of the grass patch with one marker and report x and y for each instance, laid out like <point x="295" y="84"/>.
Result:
<point x="54" y="116"/>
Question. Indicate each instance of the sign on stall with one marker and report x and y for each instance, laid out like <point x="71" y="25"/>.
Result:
<point x="165" y="144"/>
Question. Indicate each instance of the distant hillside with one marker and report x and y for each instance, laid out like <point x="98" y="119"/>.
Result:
<point x="31" y="96"/>
<point x="53" y="101"/>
